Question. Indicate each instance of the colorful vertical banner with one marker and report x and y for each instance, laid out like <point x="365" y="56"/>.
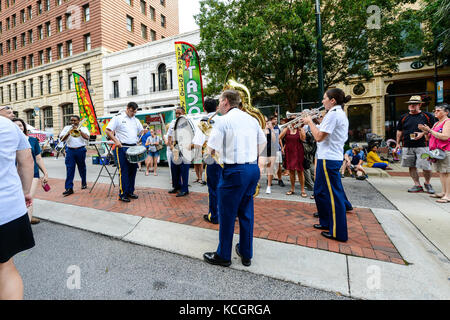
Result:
<point x="190" y="84"/>
<point x="85" y="104"/>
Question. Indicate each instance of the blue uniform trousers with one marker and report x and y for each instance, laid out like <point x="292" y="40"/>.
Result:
<point x="213" y="174"/>
<point x="75" y="157"/>
<point x="180" y="176"/>
<point x="235" y="195"/>
<point x="330" y="198"/>
<point x="127" y="172"/>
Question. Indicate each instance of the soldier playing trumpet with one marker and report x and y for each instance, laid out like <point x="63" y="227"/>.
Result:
<point x="75" y="138"/>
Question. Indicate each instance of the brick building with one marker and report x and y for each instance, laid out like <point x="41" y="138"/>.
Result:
<point x="43" y="41"/>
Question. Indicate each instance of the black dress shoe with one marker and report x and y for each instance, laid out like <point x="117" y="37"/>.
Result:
<point x="245" y="262"/>
<point x="349" y="209"/>
<point x="173" y="191"/>
<point x="68" y="192"/>
<point x="133" y="196"/>
<point x="207" y="218"/>
<point x="213" y="258"/>
<point x="316" y="214"/>
<point x="182" y="194"/>
<point x="321" y="227"/>
<point x="84" y="186"/>
<point x="124" y="199"/>
<point x="329" y="236"/>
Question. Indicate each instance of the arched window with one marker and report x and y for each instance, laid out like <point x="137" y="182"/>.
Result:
<point x="162" y="77"/>
<point x="48" y="117"/>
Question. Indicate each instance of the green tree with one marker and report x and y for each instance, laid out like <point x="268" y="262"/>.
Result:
<point x="435" y="15"/>
<point x="271" y="44"/>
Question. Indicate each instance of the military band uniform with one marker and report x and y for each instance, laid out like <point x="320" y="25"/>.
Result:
<point x="179" y="168"/>
<point x="328" y="190"/>
<point x="213" y="174"/>
<point x="236" y="137"/>
<point x="75" y="156"/>
<point x="127" y="130"/>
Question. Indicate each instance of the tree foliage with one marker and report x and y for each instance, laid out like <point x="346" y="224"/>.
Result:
<point x="271" y="44"/>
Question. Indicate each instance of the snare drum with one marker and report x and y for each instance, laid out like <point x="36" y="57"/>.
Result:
<point x="136" y="154"/>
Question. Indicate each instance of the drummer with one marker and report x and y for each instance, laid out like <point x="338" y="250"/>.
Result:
<point x="127" y="128"/>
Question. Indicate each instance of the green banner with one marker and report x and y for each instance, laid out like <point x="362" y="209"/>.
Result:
<point x="190" y="83"/>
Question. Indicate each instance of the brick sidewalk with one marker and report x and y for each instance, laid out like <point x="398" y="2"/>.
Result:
<point x="277" y="220"/>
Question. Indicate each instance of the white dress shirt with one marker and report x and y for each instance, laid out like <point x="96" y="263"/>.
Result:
<point x="12" y="199"/>
<point x="335" y="123"/>
<point x="75" y="142"/>
<point x="236" y="137"/>
<point x="199" y="137"/>
<point x="126" y="129"/>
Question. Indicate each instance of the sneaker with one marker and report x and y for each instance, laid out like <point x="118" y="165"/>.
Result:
<point x="268" y="190"/>
<point x="281" y="183"/>
<point x="342" y="175"/>
<point x="416" y="189"/>
<point x="429" y="188"/>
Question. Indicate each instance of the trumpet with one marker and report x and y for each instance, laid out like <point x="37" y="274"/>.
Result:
<point x="76" y="131"/>
<point x="297" y="122"/>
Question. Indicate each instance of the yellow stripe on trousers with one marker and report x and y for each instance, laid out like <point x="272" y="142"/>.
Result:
<point x="120" y="171"/>
<point x="333" y="209"/>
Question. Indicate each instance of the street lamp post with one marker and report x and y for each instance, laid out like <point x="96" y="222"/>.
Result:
<point x="319" y="51"/>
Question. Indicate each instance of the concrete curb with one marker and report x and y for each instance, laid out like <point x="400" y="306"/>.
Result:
<point x="329" y="271"/>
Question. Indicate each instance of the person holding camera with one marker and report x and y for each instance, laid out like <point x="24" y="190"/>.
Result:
<point x="414" y="143"/>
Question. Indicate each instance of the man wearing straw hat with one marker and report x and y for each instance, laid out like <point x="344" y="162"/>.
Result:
<point x="414" y="143"/>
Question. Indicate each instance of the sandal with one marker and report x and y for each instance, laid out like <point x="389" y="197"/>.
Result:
<point x="312" y="197"/>
<point x="437" y="195"/>
<point x="304" y="195"/>
<point x="290" y="193"/>
<point x="443" y="200"/>
<point x="146" y="173"/>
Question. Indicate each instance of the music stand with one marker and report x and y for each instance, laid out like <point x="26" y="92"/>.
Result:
<point x="107" y="145"/>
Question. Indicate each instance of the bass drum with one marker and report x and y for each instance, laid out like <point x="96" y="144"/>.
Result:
<point x="184" y="132"/>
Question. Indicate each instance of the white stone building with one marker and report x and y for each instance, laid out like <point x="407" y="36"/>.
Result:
<point x="145" y="74"/>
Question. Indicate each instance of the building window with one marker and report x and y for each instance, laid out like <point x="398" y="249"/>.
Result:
<point x="154" y="82"/>
<point x="41" y="57"/>
<point x="24" y="88"/>
<point x="67" y="113"/>
<point x="153" y="35"/>
<point x="144" y="31"/>
<point x="130" y="44"/>
<point x="47" y="5"/>
<point x="143" y="7"/>
<point x="130" y="2"/>
<point x="59" y="24"/>
<point x="163" y="21"/>
<point x="58" y="2"/>
<point x="30" y="118"/>
<point x="31" y="88"/>
<point x="129" y="23"/>
<point x="87" y="70"/>
<point x="1" y="49"/>
<point x="49" y="83"/>
<point x="1" y="96"/>
<point x="30" y="36"/>
<point x="152" y="13"/>
<point x="49" y="55"/>
<point x="48" y="117"/>
<point x="41" y="85"/>
<point x="15" y="43"/>
<point x="13" y="19"/>
<point x="134" y="90"/>
<point x="24" y="63"/>
<point x="30" y="12"/>
<point x="31" y="60"/>
<point x="60" y="51"/>
<point x="68" y="21"/>
<point x="162" y="77"/>
<point x="60" y="80"/>
<point x="23" y="39"/>
<point x="40" y="33"/>
<point x="69" y="48"/>
<point x="87" y="42"/>
<point x="163" y="2"/>
<point x="86" y="13"/>
<point x="48" y="29"/>
<point x="69" y="79"/>
<point x="8" y="46"/>
<point x="116" y="93"/>
<point x="16" y="66"/>
<point x="22" y="16"/>
<point x="39" y="7"/>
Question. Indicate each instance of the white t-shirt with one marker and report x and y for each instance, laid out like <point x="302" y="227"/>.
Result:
<point x="335" y="123"/>
<point x="126" y="129"/>
<point x="236" y="137"/>
<point x="12" y="199"/>
<point x="75" y="142"/>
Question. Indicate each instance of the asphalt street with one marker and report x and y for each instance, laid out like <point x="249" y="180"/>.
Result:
<point x="69" y="263"/>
